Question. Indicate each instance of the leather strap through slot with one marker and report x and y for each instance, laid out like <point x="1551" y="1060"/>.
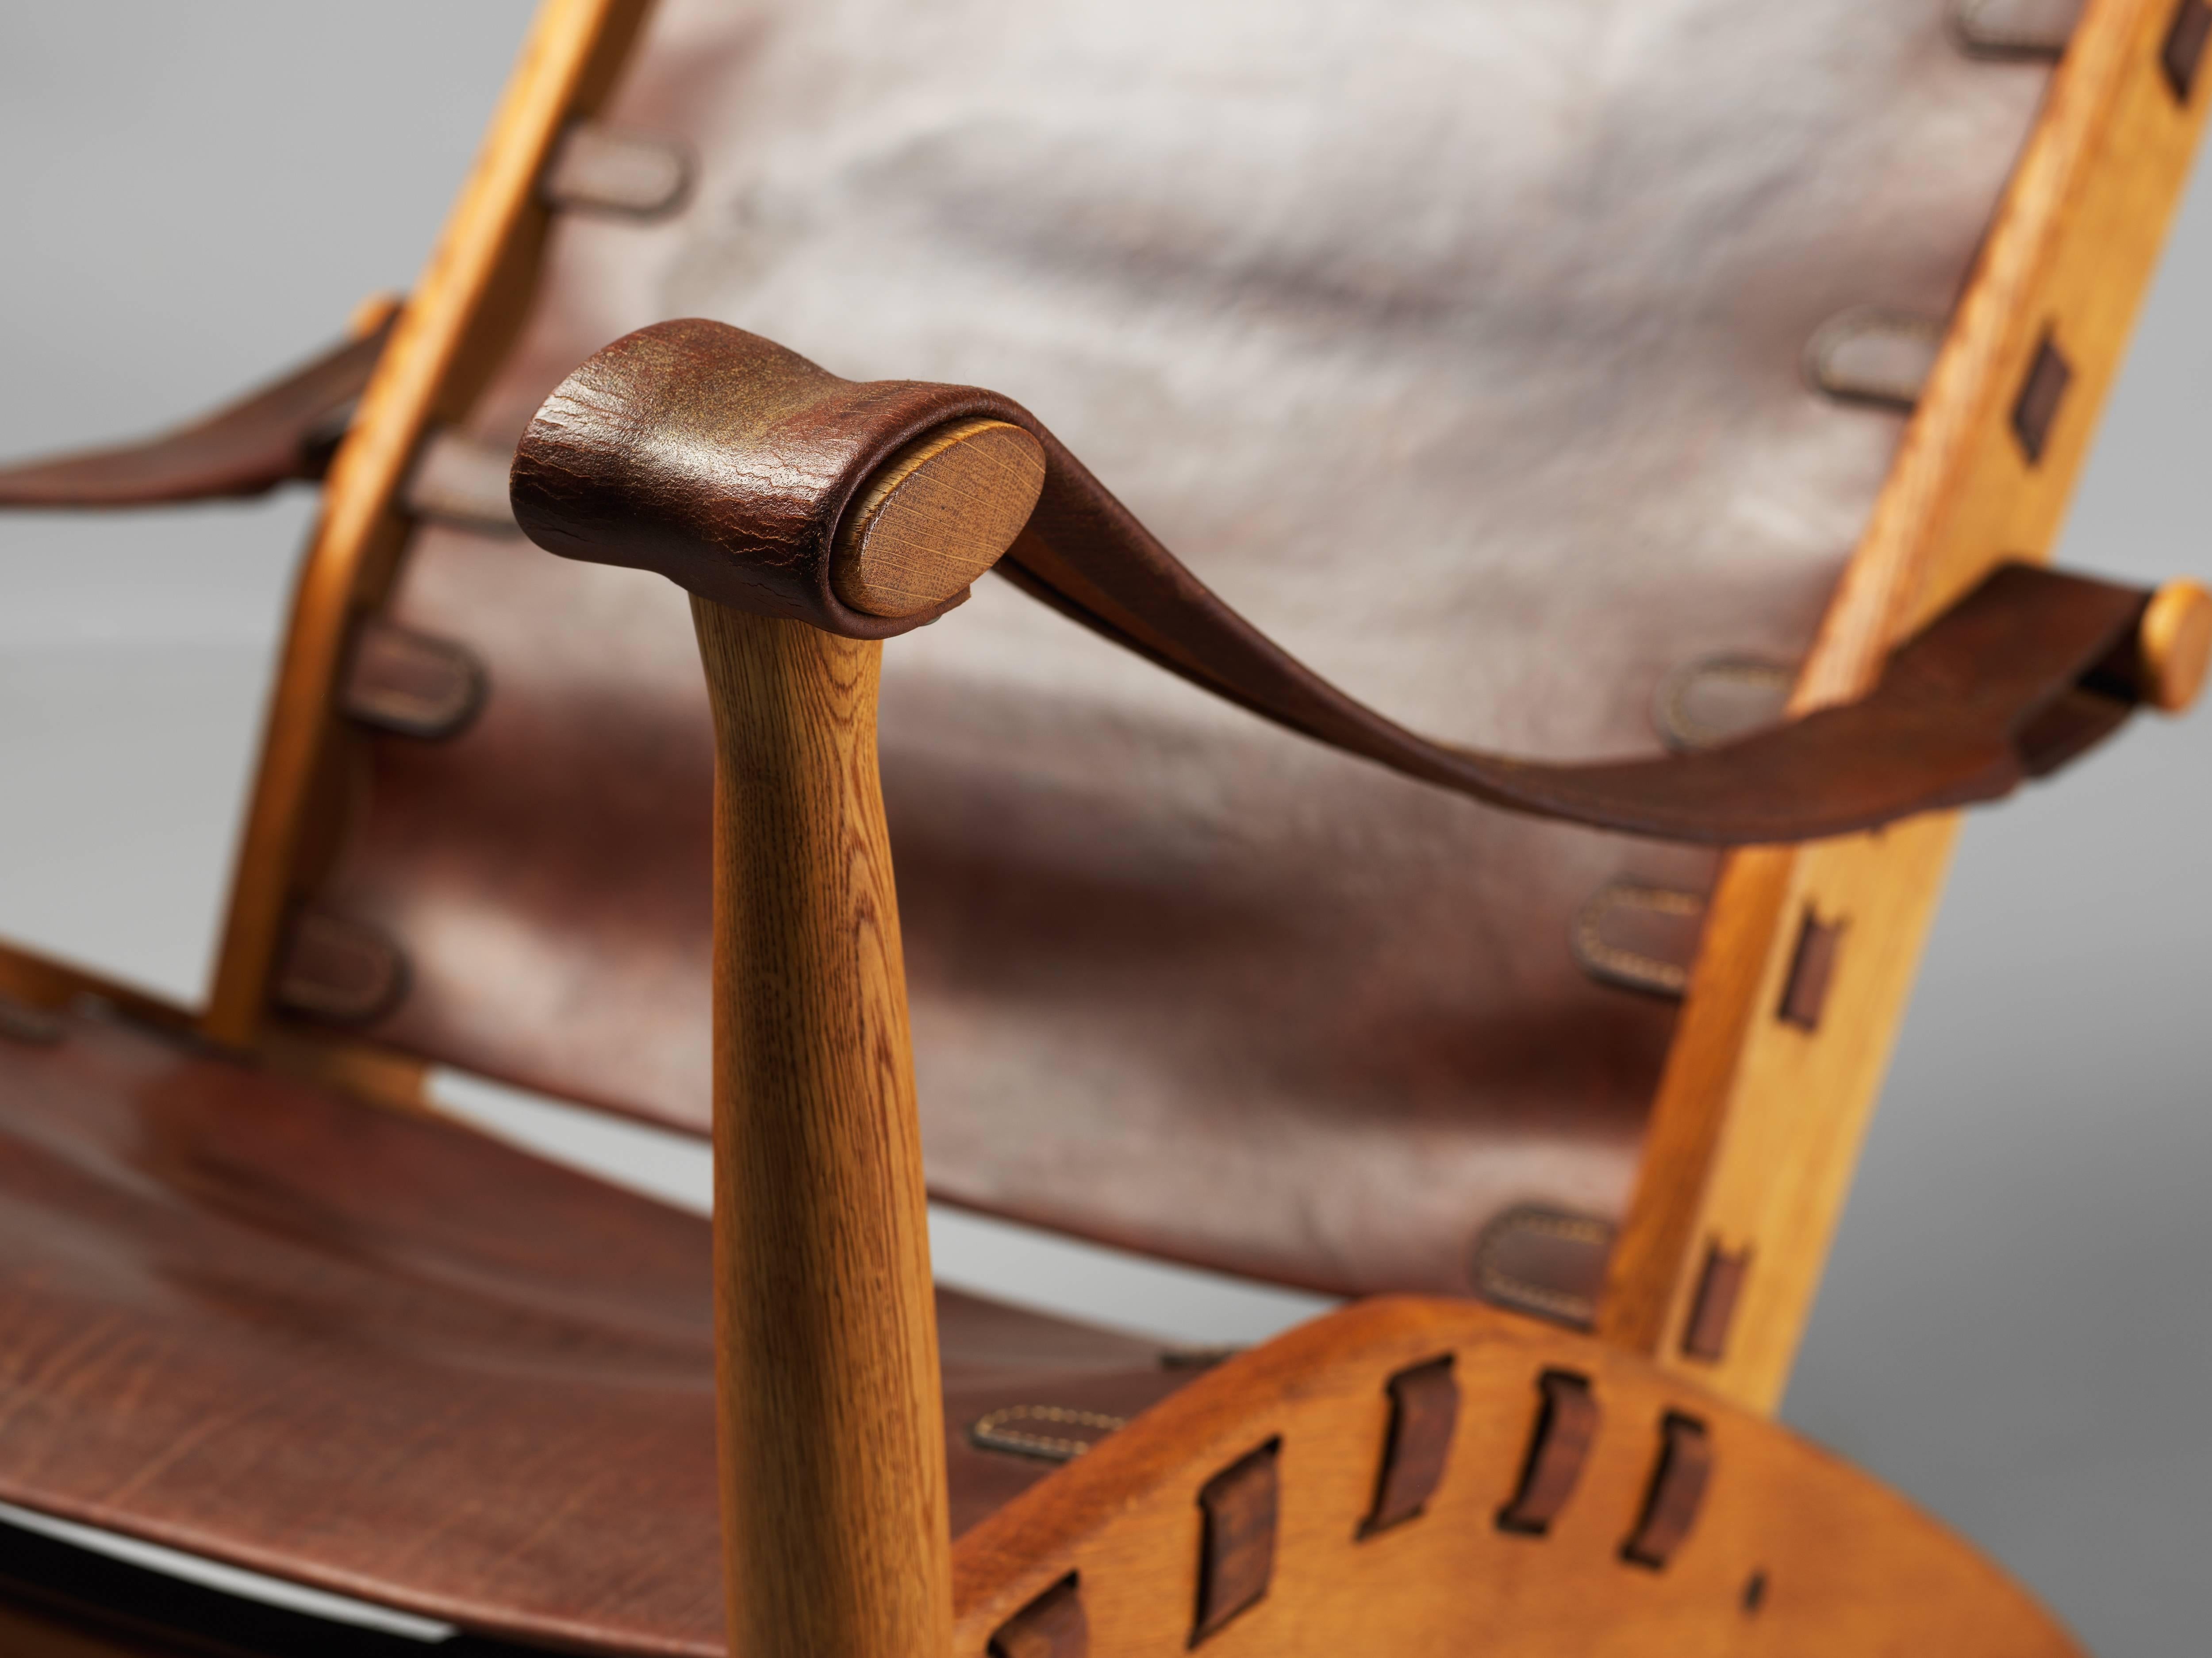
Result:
<point x="1051" y="1626"/>
<point x="1237" y="1549"/>
<point x="1676" y="1493"/>
<point x="1566" y="1426"/>
<point x="1424" y="1413"/>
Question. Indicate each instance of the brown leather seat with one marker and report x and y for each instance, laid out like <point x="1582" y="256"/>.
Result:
<point x="396" y="1359"/>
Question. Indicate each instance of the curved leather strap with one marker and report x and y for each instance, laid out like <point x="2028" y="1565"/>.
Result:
<point x="727" y="464"/>
<point x="287" y="429"/>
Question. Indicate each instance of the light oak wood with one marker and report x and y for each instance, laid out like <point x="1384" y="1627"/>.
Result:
<point x="1844" y="1567"/>
<point x="456" y="324"/>
<point x="937" y="515"/>
<point x="1756" y="1122"/>
<point x="2176" y="643"/>
<point x="833" y="1505"/>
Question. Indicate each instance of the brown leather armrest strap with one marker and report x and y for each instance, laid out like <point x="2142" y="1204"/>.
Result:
<point x="727" y="464"/>
<point x="287" y="429"/>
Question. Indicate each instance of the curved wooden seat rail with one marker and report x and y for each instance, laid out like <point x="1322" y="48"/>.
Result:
<point x="1411" y="1475"/>
<point x="729" y="464"/>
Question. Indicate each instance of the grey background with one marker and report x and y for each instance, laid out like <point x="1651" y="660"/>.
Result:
<point x="2016" y="1327"/>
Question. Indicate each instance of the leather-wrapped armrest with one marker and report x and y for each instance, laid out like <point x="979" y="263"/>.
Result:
<point x="739" y="470"/>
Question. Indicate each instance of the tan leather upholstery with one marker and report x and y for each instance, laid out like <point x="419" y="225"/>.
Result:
<point x="1458" y="345"/>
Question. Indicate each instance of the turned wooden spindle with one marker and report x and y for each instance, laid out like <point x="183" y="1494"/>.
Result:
<point x="833" y="1439"/>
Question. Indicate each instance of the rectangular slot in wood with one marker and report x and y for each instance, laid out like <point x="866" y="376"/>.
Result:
<point x="1236" y="1552"/>
<point x="2040" y="395"/>
<point x="1051" y="1626"/>
<point x="1566" y="1424"/>
<point x="1812" y="969"/>
<point x="1424" y="1413"/>
<point x="2184" y="51"/>
<point x="1676" y="1492"/>
<point x="1712" y="1309"/>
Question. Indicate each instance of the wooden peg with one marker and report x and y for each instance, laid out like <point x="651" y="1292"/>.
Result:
<point x="2174" y="645"/>
<point x="834" y="1506"/>
<point x="937" y="515"/>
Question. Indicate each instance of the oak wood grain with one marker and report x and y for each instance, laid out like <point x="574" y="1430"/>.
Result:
<point x="834" y="1498"/>
<point x="1756" y="1123"/>
<point x="936" y="517"/>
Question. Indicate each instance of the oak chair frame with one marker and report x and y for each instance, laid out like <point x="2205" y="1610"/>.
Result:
<point x="1758" y="1118"/>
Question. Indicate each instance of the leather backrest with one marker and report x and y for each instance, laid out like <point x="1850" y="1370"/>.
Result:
<point x="1461" y="345"/>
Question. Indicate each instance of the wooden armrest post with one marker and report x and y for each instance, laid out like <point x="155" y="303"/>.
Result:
<point x="809" y="517"/>
<point x="834" y="1512"/>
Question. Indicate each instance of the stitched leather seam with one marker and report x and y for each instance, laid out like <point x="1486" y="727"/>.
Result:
<point x="989" y="1433"/>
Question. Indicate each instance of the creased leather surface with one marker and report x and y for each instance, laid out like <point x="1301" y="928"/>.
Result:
<point x="396" y="1359"/>
<point x="1457" y="346"/>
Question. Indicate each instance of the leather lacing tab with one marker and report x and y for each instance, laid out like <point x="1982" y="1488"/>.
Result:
<point x="1550" y="1262"/>
<point x="1664" y="924"/>
<point x="993" y="1432"/>
<point x="618" y="171"/>
<point x="1716" y="699"/>
<point x="411" y="684"/>
<point x="339" y="970"/>
<point x="460" y="482"/>
<point x="1874" y="355"/>
<point x="2015" y="29"/>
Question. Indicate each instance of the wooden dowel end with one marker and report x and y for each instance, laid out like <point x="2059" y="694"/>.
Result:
<point x="938" y="514"/>
<point x="2175" y="644"/>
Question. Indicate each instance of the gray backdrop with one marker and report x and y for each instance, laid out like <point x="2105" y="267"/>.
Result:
<point x="2015" y="1327"/>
